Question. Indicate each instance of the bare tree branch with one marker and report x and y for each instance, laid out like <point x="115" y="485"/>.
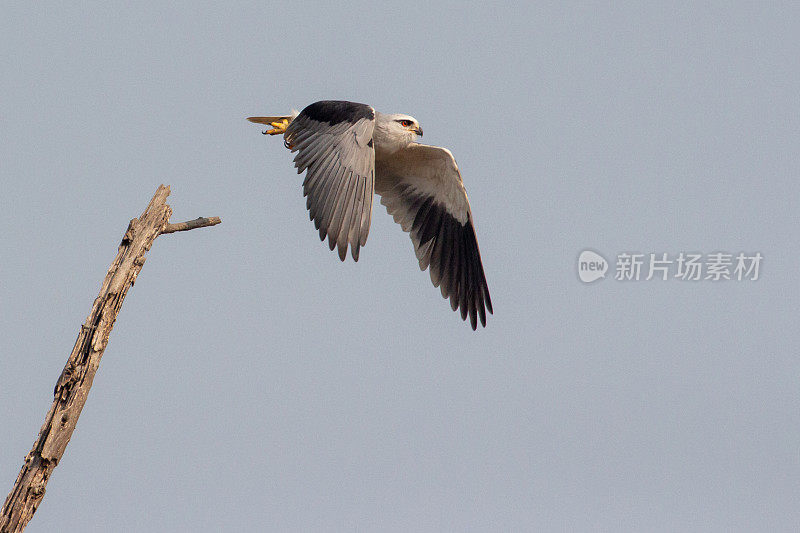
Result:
<point x="73" y="385"/>
<point x="199" y="222"/>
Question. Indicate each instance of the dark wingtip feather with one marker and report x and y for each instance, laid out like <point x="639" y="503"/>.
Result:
<point x="473" y="316"/>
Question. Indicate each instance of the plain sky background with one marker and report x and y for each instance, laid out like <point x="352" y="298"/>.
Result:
<point x="254" y="382"/>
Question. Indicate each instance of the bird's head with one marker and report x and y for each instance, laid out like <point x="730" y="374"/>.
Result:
<point x="406" y="123"/>
<point x="394" y="132"/>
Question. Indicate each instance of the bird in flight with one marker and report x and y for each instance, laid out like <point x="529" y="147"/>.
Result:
<point x="350" y="152"/>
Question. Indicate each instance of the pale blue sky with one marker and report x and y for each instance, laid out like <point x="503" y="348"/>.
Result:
<point x="254" y="382"/>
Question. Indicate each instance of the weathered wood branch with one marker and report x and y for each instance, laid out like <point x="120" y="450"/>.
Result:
<point x="73" y="385"/>
<point x="199" y="222"/>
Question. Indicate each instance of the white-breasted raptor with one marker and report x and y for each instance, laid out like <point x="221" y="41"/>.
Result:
<point x="350" y="152"/>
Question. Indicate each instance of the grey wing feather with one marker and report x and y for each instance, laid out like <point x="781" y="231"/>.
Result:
<point x="332" y="141"/>
<point x="421" y="188"/>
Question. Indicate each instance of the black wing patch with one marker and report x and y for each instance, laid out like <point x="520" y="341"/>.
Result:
<point x="335" y="111"/>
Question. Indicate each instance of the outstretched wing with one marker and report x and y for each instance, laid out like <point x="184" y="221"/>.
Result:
<point x="334" y="143"/>
<point x="421" y="188"/>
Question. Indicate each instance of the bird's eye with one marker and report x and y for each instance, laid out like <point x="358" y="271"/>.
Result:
<point x="405" y="123"/>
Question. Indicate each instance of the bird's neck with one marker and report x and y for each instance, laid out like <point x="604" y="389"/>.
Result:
<point x="387" y="139"/>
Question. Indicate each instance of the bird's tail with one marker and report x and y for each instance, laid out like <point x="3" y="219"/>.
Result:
<point x="267" y="120"/>
<point x="270" y="120"/>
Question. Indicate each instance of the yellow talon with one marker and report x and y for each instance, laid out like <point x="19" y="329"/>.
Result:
<point x="279" y="124"/>
<point x="279" y="127"/>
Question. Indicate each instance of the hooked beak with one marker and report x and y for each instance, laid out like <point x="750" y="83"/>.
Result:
<point x="418" y="131"/>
